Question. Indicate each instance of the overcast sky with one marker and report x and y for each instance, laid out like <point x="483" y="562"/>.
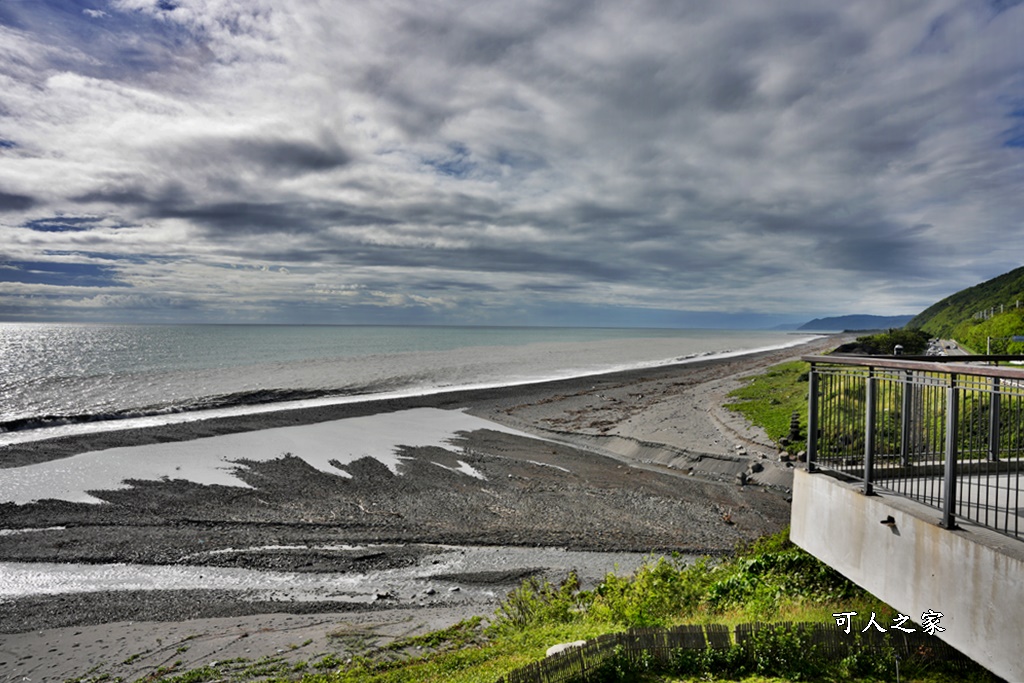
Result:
<point x="619" y="162"/>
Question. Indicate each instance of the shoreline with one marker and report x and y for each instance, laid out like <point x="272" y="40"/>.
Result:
<point x="132" y="420"/>
<point x="633" y="461"/>
<point x="115" y="435"/>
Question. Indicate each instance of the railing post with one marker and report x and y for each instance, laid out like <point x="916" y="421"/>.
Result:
<point x="949" y="475"/>
<point x="812" y="418"/>
<point x="993" y="422"/>
<point x="906" y="414"/>
<point x="869" y="433"/>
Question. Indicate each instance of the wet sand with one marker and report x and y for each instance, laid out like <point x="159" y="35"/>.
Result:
<point x="633" y="462"/>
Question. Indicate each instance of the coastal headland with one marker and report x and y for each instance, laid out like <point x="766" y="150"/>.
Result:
<point x="588" y="474"/>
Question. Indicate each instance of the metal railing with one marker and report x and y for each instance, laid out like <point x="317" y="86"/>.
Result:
<point x="949" y="435"/>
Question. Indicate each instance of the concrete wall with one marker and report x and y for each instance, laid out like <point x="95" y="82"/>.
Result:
<point x="975" y="577"/>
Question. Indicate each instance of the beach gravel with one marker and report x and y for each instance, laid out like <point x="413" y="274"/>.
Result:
<point x="633" y="462"/>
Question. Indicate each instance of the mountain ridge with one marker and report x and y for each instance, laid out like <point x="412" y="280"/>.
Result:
<point x="855" y="322"/>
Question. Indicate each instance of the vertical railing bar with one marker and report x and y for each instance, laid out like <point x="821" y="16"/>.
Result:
<point x="927" y="435"/>
<point x="848" y="395"/>
<point x="967" y="483"/>
<point x="843" y="386"/>
<point x="935" y="447"/>
<point x="917" y="425"/>
<point x="918" y="421"/>
<point x="812" y="418"/>
<point x="836" y="406"/>
<point x="983" y="497"/>
<point x="993" y="421"/>
<point x="871" y="390"/>
<point x="1017" y="486"/>
<point x="823" y="409"/>
<point x="838" y="433"/>
<point x="908" y="436"/>
<point x="984" y="468"/>
<point x="830" y="391"/>
<point x="965" y="452"/>
<point x="949" y="477"/>
<point x="835" y="387"/>
<point x="1015" y="409"/>
<point x="994" y="437"/>
<point x="1016" y="501"/>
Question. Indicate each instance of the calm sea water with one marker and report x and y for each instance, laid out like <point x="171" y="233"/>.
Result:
<point x="73" y="374"/>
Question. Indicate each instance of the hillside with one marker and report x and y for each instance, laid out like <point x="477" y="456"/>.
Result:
<point x="941" y="319"/>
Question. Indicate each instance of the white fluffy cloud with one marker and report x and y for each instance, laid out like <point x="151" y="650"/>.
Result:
<point x="463" y="161"/>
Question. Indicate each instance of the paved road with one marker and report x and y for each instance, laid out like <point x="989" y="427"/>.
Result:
<point x="949" y="347"/>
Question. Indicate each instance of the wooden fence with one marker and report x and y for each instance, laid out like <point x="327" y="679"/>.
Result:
<point x="578" y="664"/>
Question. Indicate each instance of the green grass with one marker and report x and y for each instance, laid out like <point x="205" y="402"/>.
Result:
<point x="769" y="400"/>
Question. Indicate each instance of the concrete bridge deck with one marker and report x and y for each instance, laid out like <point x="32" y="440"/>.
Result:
<point x="973" y="576"/>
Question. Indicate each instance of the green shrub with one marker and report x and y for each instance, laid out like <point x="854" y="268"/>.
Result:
<point x="914" y="342"/>
<point x="655" y="595"/>
<point x="786" y="652"/>
<point x="534" y="603"/>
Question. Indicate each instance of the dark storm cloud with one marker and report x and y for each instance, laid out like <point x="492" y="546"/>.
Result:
<point x="274" y="156"/>
<point x="234" y="218"/>
<point x="15" y="202"/>
<point x="292" y="156"/>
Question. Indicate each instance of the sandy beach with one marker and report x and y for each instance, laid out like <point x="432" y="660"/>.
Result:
<point x="323" y="532"/>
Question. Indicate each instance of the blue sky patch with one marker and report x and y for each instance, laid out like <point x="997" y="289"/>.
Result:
<point x="117" y="44"/>
<point x="71" y="224"/>
<point x="1001" y="6"/>
<point x="60" y="274"/>
<point x="1015" y="133"/>
<point x="456" y="165"/>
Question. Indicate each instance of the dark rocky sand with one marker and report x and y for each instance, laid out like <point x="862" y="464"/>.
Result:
<point x="633" y="462"/>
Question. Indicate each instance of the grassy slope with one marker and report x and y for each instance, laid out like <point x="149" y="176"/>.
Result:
<point x="768" y="400"/>
<point x="942" y="318"/>
<point x="975" y="334"/>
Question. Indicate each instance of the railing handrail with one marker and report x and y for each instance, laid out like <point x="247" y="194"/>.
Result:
<point x="865" y="410"/>
<point x="926" y="364"/>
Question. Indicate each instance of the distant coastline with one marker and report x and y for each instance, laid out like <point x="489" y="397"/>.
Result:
<point x="265" y="399"/>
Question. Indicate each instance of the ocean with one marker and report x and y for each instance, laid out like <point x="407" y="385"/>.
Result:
<point x="60" y="379"/>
